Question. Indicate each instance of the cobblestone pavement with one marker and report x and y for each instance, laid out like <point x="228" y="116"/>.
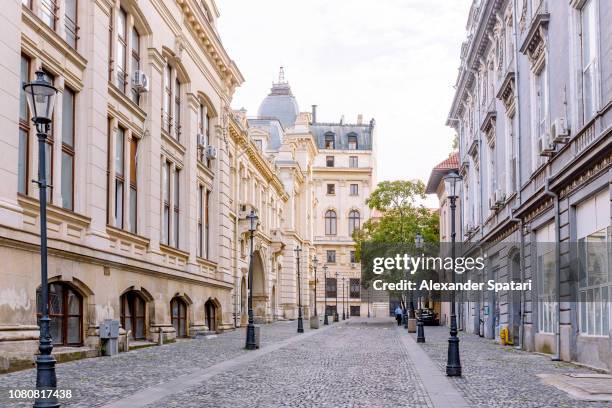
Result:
<point x="358" y="364"/>
<point x="96" y="381"/>
<point x="495" y="376"/>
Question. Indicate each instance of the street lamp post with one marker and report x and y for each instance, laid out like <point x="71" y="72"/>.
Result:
<point x="251" y="344"/>
<point x="336" y="311"/>
<point x="300" y="328"/>
<point x="453" y="364"/>
<point x="314" y="262"/>
<point x="343" y="298"/>
<point x="348" y="298"/>
<point x="418" y="243"/>
<point x="40" y="95"/>
<point x="325" y="321"/>
<point x="404" y="310"/>
<point x="368" y="302"/>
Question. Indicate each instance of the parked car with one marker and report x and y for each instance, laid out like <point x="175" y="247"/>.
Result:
<point x="429" y="317"/>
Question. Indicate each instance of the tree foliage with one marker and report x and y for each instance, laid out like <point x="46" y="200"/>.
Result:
<point x="401" y="219"/>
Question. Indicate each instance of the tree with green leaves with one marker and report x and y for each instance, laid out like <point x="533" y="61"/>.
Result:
<point x="402" y="218"/>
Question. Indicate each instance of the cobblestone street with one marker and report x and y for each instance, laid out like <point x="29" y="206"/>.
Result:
<point x="495" y="376"/>
<point x="358" y="363"/>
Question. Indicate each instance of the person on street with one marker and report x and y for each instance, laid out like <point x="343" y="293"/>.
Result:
<point x="398" y="315"/>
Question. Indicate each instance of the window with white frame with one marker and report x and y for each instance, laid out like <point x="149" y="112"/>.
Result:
<point x="68" y="135"/>
<point x="121" y="56"/>
<point x="541" y="115"/>
<point x="512" y="172"/>
<point x="166" y="170"/>
<point x="546" y="278"/>
<point x="589" y="58"/>
<point x="593" y="232"/>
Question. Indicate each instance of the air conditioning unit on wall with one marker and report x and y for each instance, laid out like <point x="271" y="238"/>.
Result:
<point x="140" y="81"/>
<point x="211" y="152"/>
<point x="559" y="130"/>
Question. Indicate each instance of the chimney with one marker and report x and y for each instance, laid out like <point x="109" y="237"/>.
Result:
<point x="314" y="113"/>
<point x="360" y="119"/>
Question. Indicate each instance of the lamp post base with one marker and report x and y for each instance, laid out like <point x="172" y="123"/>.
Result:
<point x="300" y="328"/>
<point x="46" y="380"/>
<point x="420" y="331"/>
<point x="336" y="317"/>
<point x="453" y="364"/>
<point x="325" y="320"/>
<point x="251" y="343"/>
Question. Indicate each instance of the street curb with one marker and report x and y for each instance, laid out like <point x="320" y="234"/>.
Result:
<point x="179" y="384"/>
<point x="441" y="391"/>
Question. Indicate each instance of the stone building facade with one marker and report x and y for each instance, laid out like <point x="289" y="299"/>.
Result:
<point x="152" y="176"/>
<point x="532" y="109"/>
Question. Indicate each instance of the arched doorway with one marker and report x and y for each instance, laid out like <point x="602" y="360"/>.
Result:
<point x="260" y="297"/>
<point x="178" y="314"/>
<point x="243" y="297"/>
<point x="274" y="303"/>
<point x="515" y="300"/>
<point x="133" y="311"/>
<point x="211" y="311"/>
<point x="66" y="314"/>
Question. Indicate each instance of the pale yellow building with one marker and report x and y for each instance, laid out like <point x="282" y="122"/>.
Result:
<point x="152" y="177"/>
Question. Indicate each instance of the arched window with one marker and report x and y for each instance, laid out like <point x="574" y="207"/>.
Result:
<point x="66" y="313"/>
<point x="330" y="140"/>
<point x="178" y="310"/>
<point x="352" y="142"/>
<point x="354" y="221"/>
<point x="330" y="222"/>
<point x="133" y="314"/>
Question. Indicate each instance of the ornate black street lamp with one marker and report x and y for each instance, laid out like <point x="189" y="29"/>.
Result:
<point x="343" y="314"/>
<point x="251" y="344"/>
<point x="453" y="365"/>
<point x="314" y="263"/>
<point x="418" y="243"/>
<point x="325" y="321"/>
<point x="300" y="328"/>
<point x="336" y="311"/>
<point x="40" y="95"/>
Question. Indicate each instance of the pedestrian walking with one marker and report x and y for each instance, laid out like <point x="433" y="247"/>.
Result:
<point x="398" y="315"/>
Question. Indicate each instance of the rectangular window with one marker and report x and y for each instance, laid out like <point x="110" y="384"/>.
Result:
<point x="176" y="206"/>
<point x="133" y="185"/>
<point x="355" y="311"/>
<point x="355" y="285"/>
<point x="331" y="256"/>
<point x="329" y="161"/>
<point x="330" y="141"/>
<point x="48" y="12"/>
<point x="24" y="130"/>
<point x="594" y="235"/>
<point x="207" y="225"/>
<point x="541" y="105"/>
<point x="353" y="258"/>
<point x="352" y="142"/>
<point x="354" y="189"/>
<point x="331" y="189"/>
<point x="68" y="121"/>
<point x="121" y="49"/>
<point x="49" y="153"/>
<point x="70" y="22"/>
<point x="331" y="287"/>
<point x="589" y="59"/>
<point x="177" y="110"/>
<point x="135" y="62"/>
<point x="546" y="278"/>
<point x="166" y="198"/>
<point x="167" y="115"/>
<point x="200" y="221"/>
<point x="353" y="162"/>
<point x="119" y="176"/>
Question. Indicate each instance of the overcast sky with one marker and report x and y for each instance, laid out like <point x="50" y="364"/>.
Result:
<point x="394" y="60"/>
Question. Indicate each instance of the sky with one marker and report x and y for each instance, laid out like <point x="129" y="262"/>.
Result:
<point x="392" y="60"/>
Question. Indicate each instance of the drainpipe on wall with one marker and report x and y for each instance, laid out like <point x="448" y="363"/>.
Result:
<point x="557" y="356"/>
<point x="522" y="272"/>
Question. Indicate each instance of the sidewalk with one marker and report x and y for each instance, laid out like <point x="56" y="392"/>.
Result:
<point x="496" y="376"/>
